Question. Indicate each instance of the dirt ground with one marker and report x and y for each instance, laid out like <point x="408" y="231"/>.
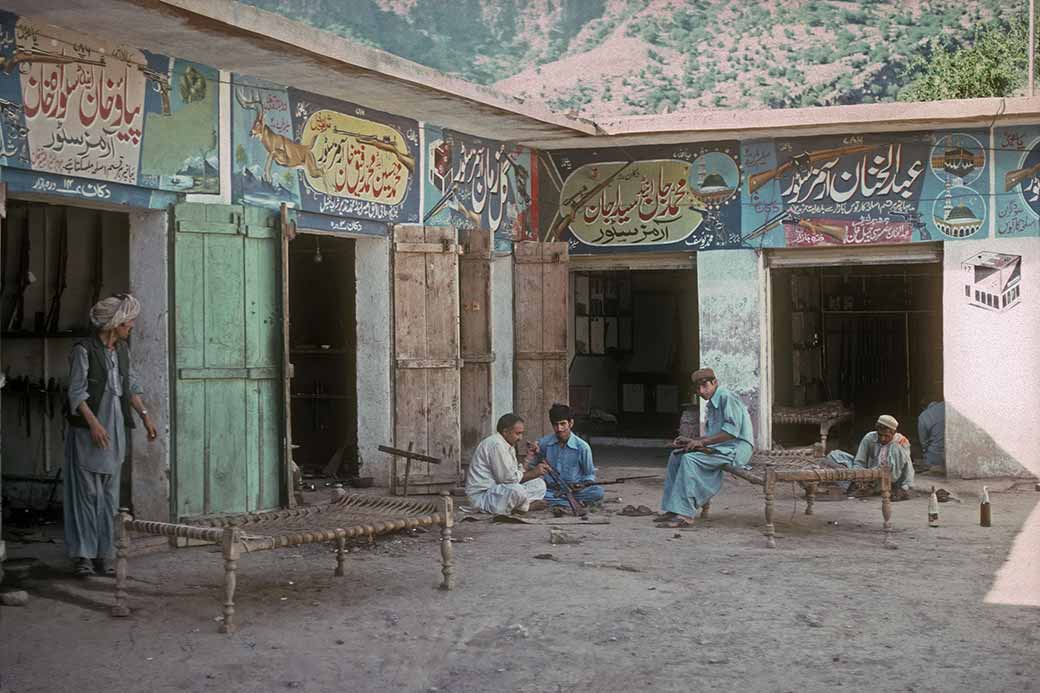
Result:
<point x="629" y="608"/>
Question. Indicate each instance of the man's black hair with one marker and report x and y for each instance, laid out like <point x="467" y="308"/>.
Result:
<point x="560" y="412"/>
<point x="507" y="421"/>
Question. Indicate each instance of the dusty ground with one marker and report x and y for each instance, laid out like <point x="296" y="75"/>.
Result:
<point x="630" y="608"/>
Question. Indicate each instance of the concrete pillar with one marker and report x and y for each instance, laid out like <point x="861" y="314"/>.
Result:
<point x="149" y="282"/>
<point x="730" y="292"/>
<point x="375" y="425"/>
<point x="502" y="325"/>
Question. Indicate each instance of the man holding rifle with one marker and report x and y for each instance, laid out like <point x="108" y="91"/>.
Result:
<point x="571" y="459"/>
<point x="695" y="467"/>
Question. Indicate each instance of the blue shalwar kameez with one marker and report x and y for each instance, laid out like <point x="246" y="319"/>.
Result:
<point x="692" y="478"/>
<point x="573" y="462"/>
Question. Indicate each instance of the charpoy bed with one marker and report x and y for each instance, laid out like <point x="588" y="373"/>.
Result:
<point x="343" y="517"/>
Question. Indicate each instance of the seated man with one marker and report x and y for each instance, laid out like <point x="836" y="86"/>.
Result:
<point x="571" y="457"/>
<point x="931" y="431"/>
<point x="695" y="468"/>
<point x="495" y="482"/>
<point x="879" y="446"/>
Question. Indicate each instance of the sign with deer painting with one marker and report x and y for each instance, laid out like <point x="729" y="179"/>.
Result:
<point x="322" y="156"/>
<point x="99" y="112"/>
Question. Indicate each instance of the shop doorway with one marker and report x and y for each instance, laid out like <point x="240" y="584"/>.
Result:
<point x="635" y="342"/>
<point x="323" y="350"/>
<point x="869" y="335"/>
<point x="57" y="262"/>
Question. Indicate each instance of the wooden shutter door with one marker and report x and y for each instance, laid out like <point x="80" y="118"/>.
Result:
<point x="426" y="349"/>
<point x="227" y="361"/>
<point x="475" y="330"/>
<point x="540" y="305"/>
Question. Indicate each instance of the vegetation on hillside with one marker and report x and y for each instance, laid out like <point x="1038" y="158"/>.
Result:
<point x="698" y="53"/>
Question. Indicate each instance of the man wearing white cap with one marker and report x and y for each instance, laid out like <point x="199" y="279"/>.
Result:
<point x="879" y="446"/>
<point x="102" y="389"/>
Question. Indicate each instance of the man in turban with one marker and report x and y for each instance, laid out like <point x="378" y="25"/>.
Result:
<point x="102" y="390"/>
<point x="880" y="446"/>
<point x="695" y="466"/>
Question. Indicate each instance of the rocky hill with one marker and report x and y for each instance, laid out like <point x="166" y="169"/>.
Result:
<point x="627" y="57"/>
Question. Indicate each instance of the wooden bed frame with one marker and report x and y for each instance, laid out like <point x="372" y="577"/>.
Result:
<point x="343" y="517"/>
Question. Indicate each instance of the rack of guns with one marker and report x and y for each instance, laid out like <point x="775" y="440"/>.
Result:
<point x="48" y="395"/>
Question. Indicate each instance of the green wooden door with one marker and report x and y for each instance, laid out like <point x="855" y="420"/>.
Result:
<point x="228" y="418"/>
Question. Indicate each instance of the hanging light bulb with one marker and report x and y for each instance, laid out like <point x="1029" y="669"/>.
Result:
<point x="317" y="250"/>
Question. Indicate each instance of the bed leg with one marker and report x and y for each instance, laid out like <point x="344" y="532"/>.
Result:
<point x="341" y="558"/>
<point x="886" y="502"/>
<point x="704" y="510"/>
<point x="232" y="550"/>
<point x="447" y="554"/>
<point x="770" y="489"/>
<point x="122" y="537"/>
<point x="810" y="497"/>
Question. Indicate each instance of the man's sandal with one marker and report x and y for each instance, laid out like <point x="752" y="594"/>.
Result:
<point x="678" y="523"/>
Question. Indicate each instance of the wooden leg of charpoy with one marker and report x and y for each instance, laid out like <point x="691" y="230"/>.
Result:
<point x="447" y="556"/>
<point x="341" y="550"/>
<point x="886" y="501"/>
<point x="122" y="536"/>
<point x="704" y="510"/>
<point x="770" y="488"/>
<point x="232" y="550"/>
<point x="810" y="497"/>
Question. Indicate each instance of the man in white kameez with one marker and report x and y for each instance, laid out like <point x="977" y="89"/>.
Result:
<point x="102" y="389"/>
<point x="496" y="482"/>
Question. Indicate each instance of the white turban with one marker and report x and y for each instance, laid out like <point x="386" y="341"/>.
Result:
<point x="111" y="312"/>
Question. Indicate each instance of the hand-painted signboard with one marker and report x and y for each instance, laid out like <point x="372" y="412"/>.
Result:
<point x="866" y="189"/>
<point x="322" y="156"/>
<point x="75" y="107"/>
<point x="656" y="198"/>
<point x="474" y="183"/>
<point x="1017" y="197"/>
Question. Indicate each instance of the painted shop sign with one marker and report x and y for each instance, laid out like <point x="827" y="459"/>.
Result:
<point x="322" y="156"/>
<point x="476" y="183"/>
<point x="1017" y="207"/>
<point x="663" y="198"/>
<point x="866" y="189"/>
<point x="73" y="106"/>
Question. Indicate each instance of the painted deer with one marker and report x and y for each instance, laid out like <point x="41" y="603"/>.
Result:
<point x="280" y="149"/>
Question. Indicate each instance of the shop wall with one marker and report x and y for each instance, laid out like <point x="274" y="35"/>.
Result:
<point x="991" y="358"/>
<point x="729" y="287"/>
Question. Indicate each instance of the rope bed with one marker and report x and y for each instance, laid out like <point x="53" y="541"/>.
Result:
<point x="344" y="517"/>
<point x="825" y="414"/>
<point x="768" y="467"/>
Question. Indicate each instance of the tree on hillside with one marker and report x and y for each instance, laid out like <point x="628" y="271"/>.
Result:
<point x="995" y="64"/>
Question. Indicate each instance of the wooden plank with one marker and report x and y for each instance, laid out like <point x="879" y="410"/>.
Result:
<point x="189" y="469"/>
<point x="262" y="303"/>
<point x="270" y="468"/>
<point x="541" y="355"/>
<point x="226" y="446"/>
<point x="555" y="315"/>
<point x="442" y="300"/>
<point x="287" y="373"/>
<point x="189" y="299"/>
<point x="443" y="415"/>
<point x="448" y="247"/>
<point x="212" y="373"/>
<point x="527" y="302"/>
<point x="224" y="300"/>
<point x="475" y="422"/>
<point x="468" y="359"/>
<point x="410" y="300"/>
<point x="429" y="363"/>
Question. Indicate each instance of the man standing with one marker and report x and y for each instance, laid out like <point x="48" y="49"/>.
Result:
<point x="880" y="446"/>
<point x="571" y="457"/>
<point x="931" y="430"/>
<point x="695" y="467"/>
<point x="495" y="482"/>
<point x="102" y="389"/>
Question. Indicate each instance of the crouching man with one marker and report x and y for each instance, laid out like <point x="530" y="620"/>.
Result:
<point x="883" y="445"/>
<point x="495" y="482"/>
<point x="571" y="457"/>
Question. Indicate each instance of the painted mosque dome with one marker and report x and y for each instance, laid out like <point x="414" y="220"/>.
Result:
<point x="959" y="222"/>
<point x="713" y="182"/>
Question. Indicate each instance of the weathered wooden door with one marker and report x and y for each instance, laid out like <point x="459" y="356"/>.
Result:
<point x="475" y="331"/>
<point x="540" y="305"/>
<point x="228" y="419"/>
<point x="426" y="349"/>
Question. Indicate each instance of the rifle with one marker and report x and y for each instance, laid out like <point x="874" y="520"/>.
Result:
<point x="382" y="143"/>
<point x="25" y="278"/>
<point x="577" y="201"/>
<point x="757" y="180"/>
<point x="579" y="485"/>
<point x="577" y="509"/>
<point x="60" y="284"/>
<point x="1013" y="178"/>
